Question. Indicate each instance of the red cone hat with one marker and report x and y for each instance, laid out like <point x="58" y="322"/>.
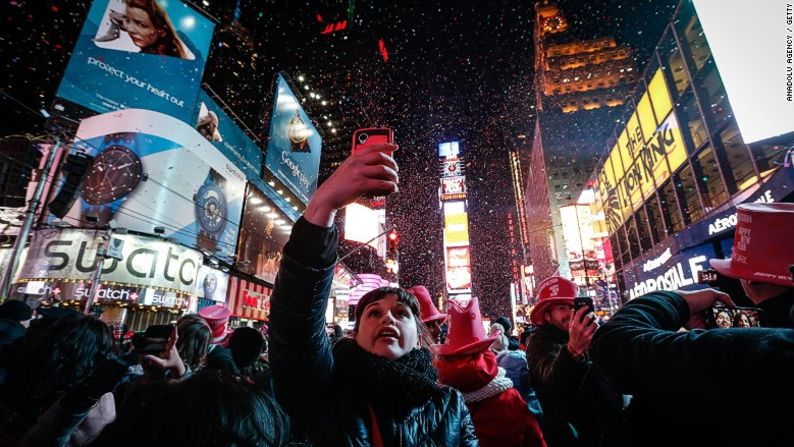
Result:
<point x="466" y="334"/>
<point x="429" y="313"/>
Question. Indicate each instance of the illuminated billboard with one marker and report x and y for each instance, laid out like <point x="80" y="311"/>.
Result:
<point x="263" y="233"/>
<point x="456" y="224"/>
<point x="137" y="180"/>
<point x="363" y="224"/>
<point x="224" y="133"/>
<point x="754" y="69"/>
<point x="139" y="54"/>
<point x="450" y="149"/>
<point x="459" y="279"/>
<point x="453" y="188"/>
<point x="451" y="167"/>
<point x="648" y="150"/>
<point x="458" y="256"/>
<point x="295" y="145"/>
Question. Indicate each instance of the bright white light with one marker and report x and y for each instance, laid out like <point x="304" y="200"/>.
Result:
<point x="361" y="223"/>
<point x="300" y="78"/>
<point x="188" y="22"/>
<point x="266" y="208"/>
<point x="751" y="63"/>
<point x="280" y="191"/>
<point x="255" y="201"/>
<point x="323" y="102"/>
<point x="587" y="197"/>
<point x="288" y="199"/>
<point x="271" y="183"/>
<point x="333" y="130"/>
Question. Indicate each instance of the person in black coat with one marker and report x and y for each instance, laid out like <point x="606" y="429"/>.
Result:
<point x="763" y="259"/>
<point x="580" y="408"/>
<point x="685" y="385"/>
<point x="379" y="387"/>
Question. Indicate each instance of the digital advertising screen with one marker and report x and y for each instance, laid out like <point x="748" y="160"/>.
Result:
<point x="453" y="188"/>
<point x="224" y="133"/>
<point x="449" y="149"/>
<point x="147" y="54"/>
<point x="264" y="232"/>
<point x="295" y="146"/>
<point x="456" y="224"/>
<point x="137" y="181"/>
<point x="756" y="64"/>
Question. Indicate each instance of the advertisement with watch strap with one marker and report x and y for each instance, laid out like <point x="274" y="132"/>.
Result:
<point x="136" y="181"/>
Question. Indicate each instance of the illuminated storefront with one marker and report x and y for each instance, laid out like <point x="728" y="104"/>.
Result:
<point x="679" y="162"/>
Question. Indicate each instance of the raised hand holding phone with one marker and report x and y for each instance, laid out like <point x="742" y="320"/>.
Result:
<point x="371" y="170"/>
<point x="169" y="359"/>
<point x="364" y="138"/>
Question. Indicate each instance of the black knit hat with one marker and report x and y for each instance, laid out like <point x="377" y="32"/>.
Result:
<point x="246" y="344"/>
<point x="505" y="322"/>
<point x="15" y="310"/>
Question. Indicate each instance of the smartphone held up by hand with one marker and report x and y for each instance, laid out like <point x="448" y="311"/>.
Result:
<point x="583" y="301"/>
<point x="364" y="138"/>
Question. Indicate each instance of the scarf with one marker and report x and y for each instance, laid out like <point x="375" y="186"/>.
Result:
<point x="395" y="385"/>
<point x="498" y="385"/>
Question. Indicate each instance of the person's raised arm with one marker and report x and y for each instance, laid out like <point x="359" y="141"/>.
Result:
<point x="300" y="353"/>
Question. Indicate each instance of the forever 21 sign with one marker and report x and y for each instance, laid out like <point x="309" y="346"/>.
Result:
<point x="146" y="261"/>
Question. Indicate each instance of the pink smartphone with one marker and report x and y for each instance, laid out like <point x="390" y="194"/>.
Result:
<point x="363" y="138"/>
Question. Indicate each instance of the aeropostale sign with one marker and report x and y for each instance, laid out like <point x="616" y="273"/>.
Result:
<point x="70" y="254"/>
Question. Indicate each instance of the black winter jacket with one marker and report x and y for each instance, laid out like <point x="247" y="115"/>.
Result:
<point x="325" y="410"/>
<point x="721" y="387"/>
<point x="580" y="408"/>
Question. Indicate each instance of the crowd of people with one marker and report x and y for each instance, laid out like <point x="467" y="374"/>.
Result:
<point x="409" y="375"/>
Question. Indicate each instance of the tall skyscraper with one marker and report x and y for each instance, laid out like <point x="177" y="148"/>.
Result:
<point x="580" y="85"/>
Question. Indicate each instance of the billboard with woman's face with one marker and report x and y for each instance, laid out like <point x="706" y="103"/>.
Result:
<point x="147" y="54"/>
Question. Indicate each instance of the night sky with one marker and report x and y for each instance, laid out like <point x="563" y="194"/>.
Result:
<point x="456" y="70"/>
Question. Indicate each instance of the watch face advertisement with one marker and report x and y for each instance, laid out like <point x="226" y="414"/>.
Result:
<point x="265" y="231"/>
<point x="139" y="53"/>
<point x="212" y="284"/>
<point x="222" y="131"/>
<point x="71" y="254"/>
<point x="137" y="181"/>
<point x="293" y="152"/>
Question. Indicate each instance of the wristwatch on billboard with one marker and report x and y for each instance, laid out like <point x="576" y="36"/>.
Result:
<point x="211" y="210"/>
<point x="114" y="174"/>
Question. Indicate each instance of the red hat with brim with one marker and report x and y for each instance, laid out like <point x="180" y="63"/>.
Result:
<point x="428" y="311"/>
<point x="217" y="317"/>
<point x="763" y="249"/>
<point x="552" y="291"/>
<point x="466" y="334"/>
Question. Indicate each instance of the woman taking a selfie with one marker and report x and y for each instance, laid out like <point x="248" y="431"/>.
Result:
<point x="379" y="387"/>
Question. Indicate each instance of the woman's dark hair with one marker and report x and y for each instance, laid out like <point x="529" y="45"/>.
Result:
<point x="403" y="296"/>
<point x="211" y="408"/>
<point x="194" y="340"/>
<point x="62" y="358"/>
<point x="170" y="44"/>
